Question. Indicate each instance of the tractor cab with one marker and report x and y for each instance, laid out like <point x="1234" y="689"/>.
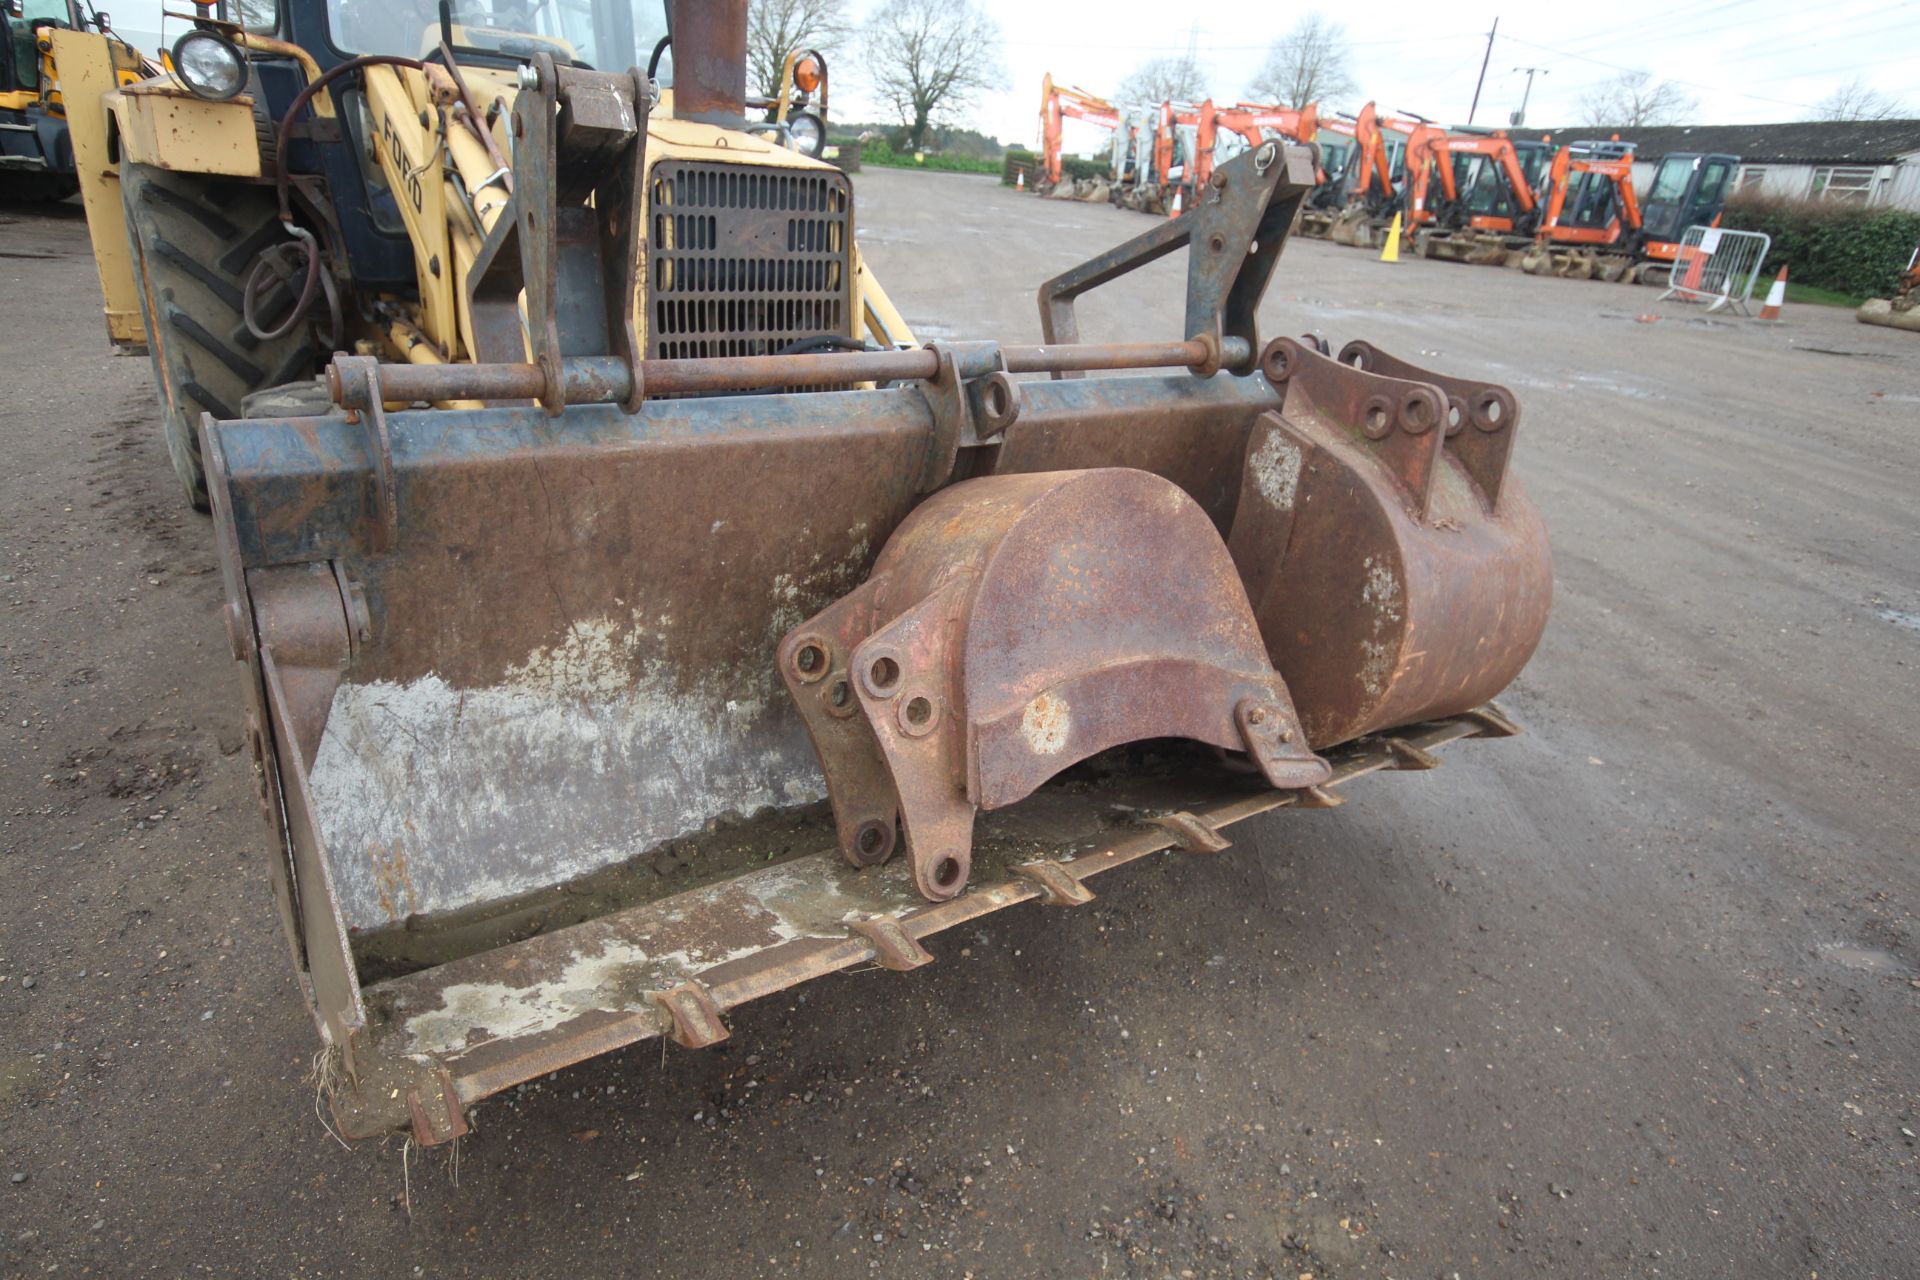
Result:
<point x="1687" y="190"/>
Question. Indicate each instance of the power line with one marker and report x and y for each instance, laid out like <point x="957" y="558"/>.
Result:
<point x="1691" y="84"/>
<point x="1636" y="31"/>
<point x="1160" y="46"/>
<point x="1791" y="46"/>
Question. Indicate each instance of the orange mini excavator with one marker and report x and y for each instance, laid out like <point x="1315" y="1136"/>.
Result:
<point x="1058" y="103"/>
<point x="1345" y="207"/>
<point x="1253" y="123"/>
<point x="1591" y="213"/>
<point x="1487" y="199"/>
<point x="1595" y="225"/>
<point x="1160" y="150"/>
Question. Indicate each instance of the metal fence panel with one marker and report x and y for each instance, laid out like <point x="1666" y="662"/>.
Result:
<point x="1718" y="267"/>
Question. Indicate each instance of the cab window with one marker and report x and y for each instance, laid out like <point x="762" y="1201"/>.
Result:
<point x="609" y="35"/>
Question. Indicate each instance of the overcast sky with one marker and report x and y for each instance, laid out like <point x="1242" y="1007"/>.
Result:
<point x="1746" y="61"/>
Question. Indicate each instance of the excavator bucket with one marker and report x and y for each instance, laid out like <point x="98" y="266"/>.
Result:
<point x="585" y="721"/>
<point x="1353" y="226"/>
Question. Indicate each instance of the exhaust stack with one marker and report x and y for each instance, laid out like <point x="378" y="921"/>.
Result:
<point x="710" y="61"/>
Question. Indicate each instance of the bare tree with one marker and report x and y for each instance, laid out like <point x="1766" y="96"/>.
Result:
<point x="254" y="15"/>
<point x="1634" y="99"/>
<point x="1308" y="64"/>
<point x="1857" y="100"/>
<point x="1171" y="79"/>
<point x="929" y="58"/>
<point x="776" y="28"/>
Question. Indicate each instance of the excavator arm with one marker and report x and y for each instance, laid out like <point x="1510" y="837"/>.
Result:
<point x="1057" y="104"/>
<point x="1374" y="163"/>
<point x="1508" y="158"/>
<point x="1428" y="155"/>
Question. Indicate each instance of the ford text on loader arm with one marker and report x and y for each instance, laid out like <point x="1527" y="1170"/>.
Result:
<point x="598" y="688"/>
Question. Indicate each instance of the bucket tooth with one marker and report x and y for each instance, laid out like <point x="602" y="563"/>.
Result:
<point x="1058" y="886"/>
<point x="1493" y="722"/>
<point x="1320" y="798"/>
<point x="1408" y="756"/>
<point x="436" y="1119"/>
<point x="893" y="947"/>
<point x="1192" y="834"/>
<point x="694" y="1015"/>
<point x="1014" y="626"/>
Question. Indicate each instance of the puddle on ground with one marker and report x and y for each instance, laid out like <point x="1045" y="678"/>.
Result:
<point x="1866" y="959"/>
<point x="1901" y="618"/>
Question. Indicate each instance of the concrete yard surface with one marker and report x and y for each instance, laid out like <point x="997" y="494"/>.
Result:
<point x="1634" y="994"/>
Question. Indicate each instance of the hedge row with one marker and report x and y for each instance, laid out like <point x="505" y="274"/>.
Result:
<point x="879" y="151"/>
<point x="1018" y="160"/>
<point x="1852" y="249"/>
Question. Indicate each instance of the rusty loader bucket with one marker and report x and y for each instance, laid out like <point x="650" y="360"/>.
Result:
<point x="653" y="687"/>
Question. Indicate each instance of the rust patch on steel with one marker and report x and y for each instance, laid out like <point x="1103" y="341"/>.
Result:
<point x="590" y="988"/>
<point x="1013" y="626"/>
<point x="1398" y="570"/>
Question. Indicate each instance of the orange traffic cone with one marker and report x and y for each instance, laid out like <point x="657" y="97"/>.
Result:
<point x="1776" y="297"/>
<point x="1019" y="179"/>
<point x="1175" y="211"/>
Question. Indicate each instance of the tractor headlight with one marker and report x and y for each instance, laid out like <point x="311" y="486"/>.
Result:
<point x="806" y="133"/>
<point x="210" y="65"/>
<point x="807" y="74"/>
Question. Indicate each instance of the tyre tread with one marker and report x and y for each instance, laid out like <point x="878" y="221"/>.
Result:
<point x="196" y="237"/>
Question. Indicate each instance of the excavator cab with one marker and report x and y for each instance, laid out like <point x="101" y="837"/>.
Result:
<point x="1688" y="190"/>
<point x="1336" y="154"/>
<point x="1592" y="207"/>
<point x="1487" y="197"/>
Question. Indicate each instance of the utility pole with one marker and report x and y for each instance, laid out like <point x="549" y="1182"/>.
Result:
<point x="1483" y="70"/>
<point x="1519" y="117"/>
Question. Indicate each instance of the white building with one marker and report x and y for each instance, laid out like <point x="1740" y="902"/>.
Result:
<point x="1874" y="162"/>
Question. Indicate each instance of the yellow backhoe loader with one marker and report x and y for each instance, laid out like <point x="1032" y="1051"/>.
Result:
<point x="636" y="621"/>
<point x="36" y="155"/>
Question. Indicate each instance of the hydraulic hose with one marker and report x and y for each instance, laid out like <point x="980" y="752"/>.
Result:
<point x="273" y="264"/>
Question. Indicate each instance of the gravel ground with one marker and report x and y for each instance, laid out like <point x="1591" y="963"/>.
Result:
<point x="1631" y="995"/>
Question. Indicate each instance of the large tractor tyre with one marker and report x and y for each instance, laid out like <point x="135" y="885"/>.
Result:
<point x="195" y="240"/>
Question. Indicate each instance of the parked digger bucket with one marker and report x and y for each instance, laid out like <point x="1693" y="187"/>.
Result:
<point x="1474" y="247"/>
<point x="584" y="727"/>
<point x="1353" y="226"/>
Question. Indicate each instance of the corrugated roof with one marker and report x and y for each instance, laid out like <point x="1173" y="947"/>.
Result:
<point x="1800" y="142"/>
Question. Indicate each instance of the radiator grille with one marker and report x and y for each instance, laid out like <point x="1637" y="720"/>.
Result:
<point x="746" y="259"/>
